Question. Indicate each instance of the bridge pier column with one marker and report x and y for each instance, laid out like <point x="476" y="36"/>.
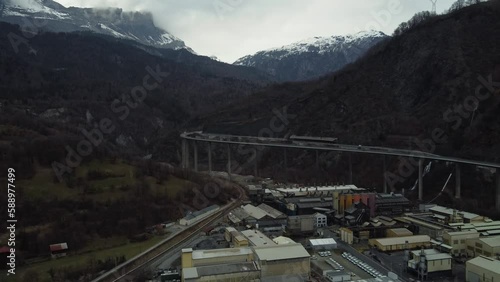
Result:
<point x="497" y="202"/>
<point x="350" y="169"/>
<point x="195" y="148"/>
<point x="317" y="159"/>
<point x="420" y="179"/>
<point x="256" y="162"/>
<point x="209" y="157"/>
<point x="385" y="179"/>
<point x="458" y="181"/>
<point x="183" y="153"/>
<point x="187" y="155"/>
<point x="285" y="165"/>
<point x="229" y="161"/>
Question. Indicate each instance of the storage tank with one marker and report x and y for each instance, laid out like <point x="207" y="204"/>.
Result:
<point x="356" y="198"/>
<point x="348" y="202"/>
<point x="342" y="203"/>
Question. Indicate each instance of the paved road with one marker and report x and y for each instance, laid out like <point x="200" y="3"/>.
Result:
<point x="285" y="143"/>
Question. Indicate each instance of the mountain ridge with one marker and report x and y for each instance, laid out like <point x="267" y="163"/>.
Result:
<point x="52" y="16"/>
<point x="313" y="57"/>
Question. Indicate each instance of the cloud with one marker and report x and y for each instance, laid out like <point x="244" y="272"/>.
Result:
<point x="230" y="29"/>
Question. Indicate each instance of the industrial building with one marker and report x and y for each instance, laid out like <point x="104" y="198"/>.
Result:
<point x="343" y="201"/>
<point x="424" y="224"/>
<point x="265" y="260"/>
<point x="337" y="276"/>
<point x="281" y="240"/>
<point x="401" y="243"/>
<point x="317" y="190"/>
<point x="448" y="215"/>
<point x="193" y="258"/>
<point x="391" y="204"/>
<point x="398" y="232"/>
<point x="262" y="215"/>
<point x="301" y="224"/>
<point x="307" y="205"/>
<point x="482" y="269"/>
<point x="456" y="241"/>
<point x="256" y="238"/>
<point x="198" y="215"/>
<point x="322" y="244"/>
<point x="486" y="246"/>
<point x="428" y="262"/>
<point x="280" y="262"/>
<point x="320" y="220"/>
<point x="245" y="271"/>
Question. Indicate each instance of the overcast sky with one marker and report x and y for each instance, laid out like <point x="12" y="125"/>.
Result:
<point x="230" y="29"/>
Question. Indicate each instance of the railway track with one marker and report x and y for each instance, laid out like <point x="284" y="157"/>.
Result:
<point x="133" y="267"/>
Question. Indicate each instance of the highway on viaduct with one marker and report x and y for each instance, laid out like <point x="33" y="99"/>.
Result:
<point x="325" y="144"/>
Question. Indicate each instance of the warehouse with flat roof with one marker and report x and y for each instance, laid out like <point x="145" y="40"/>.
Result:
<point x="257" y="238"/>
<point x="245" y="271"/>
<point x="283" y="261"/>
<point x="401" y="243"/>
<point x="482" y="269"/>
<point x="486" y="246"/>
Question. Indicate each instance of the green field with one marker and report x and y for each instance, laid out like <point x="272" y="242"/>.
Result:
<point x="42" y="185"/>
<point x="129" y="250"/>
<point x="121" y="174"/>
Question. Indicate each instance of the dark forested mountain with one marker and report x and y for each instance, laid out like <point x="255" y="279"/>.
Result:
<point x="53" y="85"/>
<point x="423" y="79"/>
<point x="314" y="57"/>
<point x="52" y="16"/>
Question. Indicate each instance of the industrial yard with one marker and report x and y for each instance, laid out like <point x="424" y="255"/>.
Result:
<point x="334" y="233"/>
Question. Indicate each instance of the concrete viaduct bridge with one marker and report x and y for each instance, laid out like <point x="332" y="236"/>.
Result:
<point x="324" y="144"/>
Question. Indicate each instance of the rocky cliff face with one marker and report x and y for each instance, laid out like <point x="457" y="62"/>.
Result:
<point x="51" y="16"/>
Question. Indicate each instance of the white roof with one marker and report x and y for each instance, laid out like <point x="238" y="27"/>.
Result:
<point x="254" y="212"/>
<point x="281" y="240"/>
<point x="491" y="241"/>
<point x="402" y="240"/>
<point x="449" y="211"/>
<point x="203" y="254"/>
<point x="256" y="238"/>
<point x="190" y="273"/>
<point x="490" y="264"/>
<point x="322" y="242"/>
<point x="319" y="188"/>
<point x="281" y="252"/>
<point x="432" y="254"/>
<point x="271" y="212"/>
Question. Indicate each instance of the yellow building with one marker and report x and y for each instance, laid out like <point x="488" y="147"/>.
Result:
<point x="482" y="269"/>
<point x="398" y="232"/>
<point x="487" y="246"/>
<point x="435" y="261"/>
<point x="457" y="241"/>
<point x="400" y="243"/>
<point x="278" y="262"/>
<point x="239" y="241"/>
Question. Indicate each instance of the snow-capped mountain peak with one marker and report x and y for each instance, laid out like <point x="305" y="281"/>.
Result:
<point x="314" y="56"/>
<point x="135" y="26"/>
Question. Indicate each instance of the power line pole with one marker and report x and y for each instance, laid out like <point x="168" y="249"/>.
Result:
<point x="434" y="6"/>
